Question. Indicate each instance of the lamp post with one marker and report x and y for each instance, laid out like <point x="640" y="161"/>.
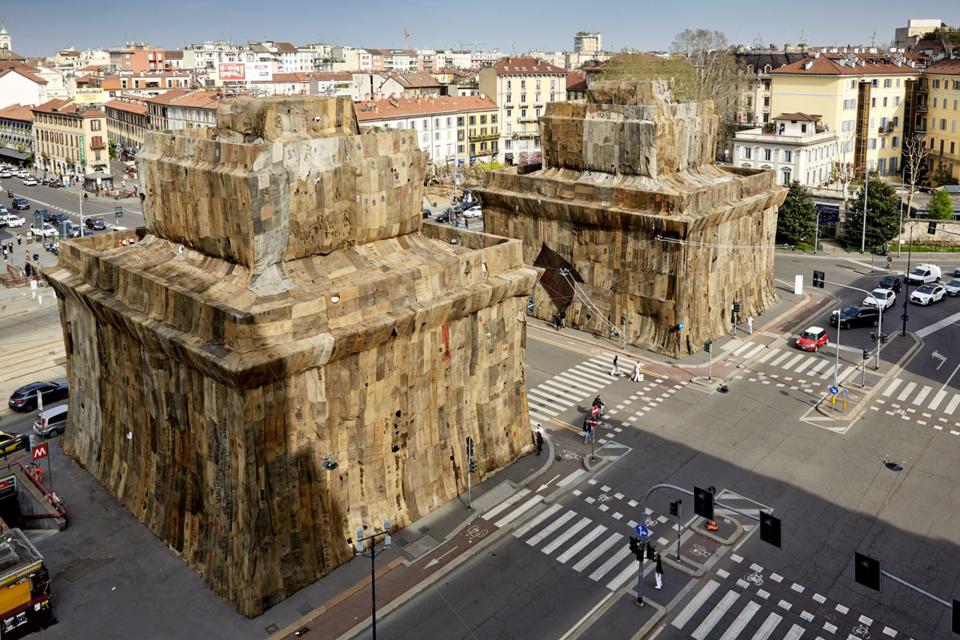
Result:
<point x="866" y="191"/>
<point x="836" y="366"/>
<point x="906" y="284"/>
<point x="372" y="552"/>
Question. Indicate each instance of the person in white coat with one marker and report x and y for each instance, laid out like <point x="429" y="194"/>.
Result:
<point x="637" y="373"/>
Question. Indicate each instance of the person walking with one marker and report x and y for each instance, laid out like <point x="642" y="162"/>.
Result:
<point x="749" y="325"/>
<point x="538" y="436"/>
<point x="658" y="572"/>
<point x="588" y="424"/>
<point x="615" y="371"/>
<point x="19" y="239"/>
<point x="637" y="373"/>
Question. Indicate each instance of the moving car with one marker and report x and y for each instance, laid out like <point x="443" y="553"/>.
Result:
<point x="956" y="272"/>
<point x="11" y="219"/>
<point x="952" y="288"/>
<point x="855" y="317"/>
<point x="812" y="339"/>
<point x="74" y="230"/>
<point x="53" y="218"/>
<point x="95" y="224"/>
<point x="890" y="282"/>
<point x="29" y="181"/>
<point x="924" y="274"/>
<point x="20" y="204"/>
<point x="445" y="216"/>
<point x="426" y="212"/>
<point x="51" y="422"/>
<point x="11" y="442"/>
<point x="473" y="212"/>
<point x="25" y="398"/>
<point x="46" y="231"/>
<point x="885" y="297"/>
<point x="928" y="294"/>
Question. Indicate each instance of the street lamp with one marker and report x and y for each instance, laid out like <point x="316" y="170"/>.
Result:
<point x="374" y="549"/>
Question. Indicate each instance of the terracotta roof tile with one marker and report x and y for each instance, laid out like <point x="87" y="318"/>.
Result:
<point x="370" y="110"/>
<point x="68" y="108"/>
<point x="131" y="106"/>
<point x="26" y="72"/>
<point x="194" y="98"/>
<point x="17" y="112"/>
<point x="945" y="67"/>
<point x="825" y="66"/>
<point x="576" y="81"/>
<point x="526" y="66"/>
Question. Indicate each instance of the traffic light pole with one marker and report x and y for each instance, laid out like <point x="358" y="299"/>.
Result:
<point x="643" y="552"/>
<point x="657" y="487"/>
<point x="879" y="322"/>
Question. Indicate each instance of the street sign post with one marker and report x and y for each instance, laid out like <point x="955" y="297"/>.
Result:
<point x="42" y="451"/>
<point x="470" y="466"/>
<point x="642" y="539"/>
<point x="642" y="532"/>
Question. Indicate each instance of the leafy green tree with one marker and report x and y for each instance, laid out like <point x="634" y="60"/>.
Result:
<point x="940" y="206"/>
<point x="797" y="217"/>
<point x="883" y="215"/>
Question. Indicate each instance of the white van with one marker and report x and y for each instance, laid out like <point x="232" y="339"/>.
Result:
<point x="51" y="422"/>
<point x="924" y="274"/>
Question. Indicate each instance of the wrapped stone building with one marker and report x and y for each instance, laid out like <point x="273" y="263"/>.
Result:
<point x="636" y="228"/>
<point x="286" y="353"/>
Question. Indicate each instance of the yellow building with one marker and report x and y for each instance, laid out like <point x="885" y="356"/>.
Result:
<point x="861" y="99"/>
<point x="521" y="88"/>
<point x="70" y="138"/>
<point x="938" y="113"/>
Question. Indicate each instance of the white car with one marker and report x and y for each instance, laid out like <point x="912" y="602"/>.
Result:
<point x="11" y="220"/>
<point x="924" y="274"/>
<point x="952" y="288"/>
<point x="46" y="231"/>
<point x="29" y="181"/>
<point x="473" y="212"/>
<point x="886" y="298"/>
<point x="928" y="294"/>
<point x="22" y="173"/>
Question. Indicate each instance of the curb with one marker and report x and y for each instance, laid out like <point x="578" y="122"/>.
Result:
<point x="682" y="568"/>
<point x="651" y="623"/>
<point x="728" y="541"/>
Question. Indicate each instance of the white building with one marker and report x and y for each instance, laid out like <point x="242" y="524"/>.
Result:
<point x="183" y="109"/>
<point x="586" y="42"/>
<point x="21" y="85"/>
<point x="795" y="145"/>
<point x="350" y="59"/>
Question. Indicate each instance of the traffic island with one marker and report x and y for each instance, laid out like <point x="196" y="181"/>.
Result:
<point x="728" y="531"/>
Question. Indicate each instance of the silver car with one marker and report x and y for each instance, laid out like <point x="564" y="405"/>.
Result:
<point x="952" y="288"/>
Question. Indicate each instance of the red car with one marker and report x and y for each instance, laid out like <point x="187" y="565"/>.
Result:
<point x="812" y="339"/>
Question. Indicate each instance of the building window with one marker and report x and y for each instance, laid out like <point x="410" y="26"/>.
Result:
<point x="473" y="120"/>
<point x="459" y="121"/>
<point x="787" y="155"/>
<point x="786" y="177"/>
<point x="483" y="119"/>
<point x="460" y="148"/>
<point x="872" y="143"/>
<point x="887" y="83"/>
<point x="507" y="144"/>
<point x="509" y="98"/>
<point x="936" y="84"/>
<point x="894" y="142"/>
<point x="523" y="98"/>
<point x="767" y="154"/>
<point x="94" y="125"/>
<point x="747" y="153"/>
<point x="493" y="118"/>
<point x="893" y="166"/>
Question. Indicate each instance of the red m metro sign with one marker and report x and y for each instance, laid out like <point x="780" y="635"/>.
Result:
<point x="40" y="451"/>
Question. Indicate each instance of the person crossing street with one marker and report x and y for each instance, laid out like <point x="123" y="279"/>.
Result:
<point x="637" y="373"/>
<point x="658" y="572"/>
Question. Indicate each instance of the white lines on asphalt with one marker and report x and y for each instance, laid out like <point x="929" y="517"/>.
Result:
<point x="537" y="520"/>
<point x="581" y="544"/>
<point x="611" y="562"/>
<point x="906" y="391"/>
<point x="803" y="365"/>
<point x="952" y="406"/>
<point x="553" y="526"/>
<point x="937" y="399"/>
<point x="893" y="387"/>
<point x="598" y="551"/>
<point x="794" y="634"/>
<point x="754" y="351"/>
<point x="817" y="368"/>
<point x="626" y="574"/>
<point x="746" y="345"/>
<point x="573" y="477"/>
<point x="922" y="395"/>
<point x="566" y="535"/>
<point x="793" y="361"/>
<point x="741" y="621"/>
<point x="694" y="605"/>
<point x="702" y="631"/>
<point x="767" y="628"/>
<point x="767" y="355"/>
<point x="506" y="504"/>
<point x="936" y="326"/>
<point x="526" y="506"/>
<point x="777" y="361"/>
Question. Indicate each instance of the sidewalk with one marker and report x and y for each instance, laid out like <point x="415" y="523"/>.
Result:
<point x="421" y="554"/>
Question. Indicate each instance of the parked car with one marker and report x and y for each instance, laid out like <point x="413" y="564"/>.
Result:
<point x="924" y="274"/>
<point x="43" y="213"/>
<point x="29" y="181"/>
<point x="952" y="288"/>
<point x="25" y="398"/>
<point x="890" y="282"/>
<point x="855" y="317"/>
<point x="473" y="212"/>
<point x="20" y="204"/>
<point x="51" y="422"/>
<point x="426" y="212"/>
<point x="12" y="442"/>
<point x="6" y="173"/>
<point x="445" y="216"/>
<point x="812" y="339"/>
<point x="885" y="297"/>
<point x="11" y="219"/>
<point x="46" y="231"/>
<point x="956" y="272"/>
<point x="928" y="294"/>
<point x="95" y="224"/>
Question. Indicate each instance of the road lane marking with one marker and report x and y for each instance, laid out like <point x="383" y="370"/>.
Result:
<point x="768" y="626"/>
<point x="506" y="504"/>
<point x="893" y="387"/>
<point x="754" y="351"/>
<point x="922" y="395"/>
<point x="525" y="529"/>
<point x="611" y="562"/>
<point x="817" y="368"/>
<point x="793" y="361"/>
<point x="907" y="390"/>
<point x="768" y="355"/>
<point x="566" y="535"/>
<point x="803" y="365"/>
<point x="526" y="506"/>
<point x="598" y="551"/>
<point x="936" y="326"/>
<point x="742" y="620"/>
<point x="746" y="345"/>
<point x="694" y="605"/>
<point x="937" y="399"/>
<point x="952" y="405"/>
<point x="581" y="544"/>
<point x="549" y="529"/>
<point x="714" y="616"/>
<point x="776" y="363"/>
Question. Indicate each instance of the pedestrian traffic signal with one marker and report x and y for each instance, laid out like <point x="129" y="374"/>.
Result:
<point x="818" y="278"/>
<point x="932" y="228"/>
<point x="770" y="529"/>
<point x="708" y="347"/>
<point x="651" y="551"/>
<point x="473" y="465"/>
<point x="866" y="571"/>
<point x="736" y="307"/>
<point x="866" y="353"/>
<point x="703" y="503"/>
<point x="675" y="508"/>
<point x="635" y="546"/>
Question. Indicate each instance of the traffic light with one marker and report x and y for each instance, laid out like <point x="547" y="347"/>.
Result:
<point x="708" y="347"/>
<point x="675" y="508"/>
<point x="866" y="353"/>
<point x="703" y="503"/>
<point x="635" y="546"/>
<point x="883" y="339"/>
<point x="473" y="465"/>
<point x="818" y="278"/>
<point x="651" y="551"/>
<point x="956" y="616"/>
<point x="736" y="307"/>
<point x="770" y="529"/>
<point x="866" y="571"/>
<point x="932" y="228"/>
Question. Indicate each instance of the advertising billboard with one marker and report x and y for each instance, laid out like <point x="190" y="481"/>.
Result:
<point x="232" y="72"/>
<point x="90" y="96"/>
<point x="259" y="72"/>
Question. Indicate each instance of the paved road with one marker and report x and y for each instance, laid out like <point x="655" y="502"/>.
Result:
<point x="71" y="202"/>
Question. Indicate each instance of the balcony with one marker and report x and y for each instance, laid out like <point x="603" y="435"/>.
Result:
<point x="921" y="108"/>
<point x="486" y="137"/>
<point x="98" y="144"/>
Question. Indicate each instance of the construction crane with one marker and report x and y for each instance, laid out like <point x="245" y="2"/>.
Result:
<point x="406" y="37"/>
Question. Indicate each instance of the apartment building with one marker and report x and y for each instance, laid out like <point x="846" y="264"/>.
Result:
<point x="20" y="84"/>
<point x="16" y="133"/>
<point x="70" y="138"/>
<point x="753" y="105"/>
<point x="588" y="42"/>
<point x="861" y="98"/>
<point x="462" y="129"/>
<point x="938" y="114"/>
<point x="797" y="146"/>
<point x="137" y="58"/>
<point x="521" y="87"/>
<point x="183" y="109"/>
<point x="127" y="121"/>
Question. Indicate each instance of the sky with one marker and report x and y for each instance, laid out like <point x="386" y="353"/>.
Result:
<point x="42" y="27"/>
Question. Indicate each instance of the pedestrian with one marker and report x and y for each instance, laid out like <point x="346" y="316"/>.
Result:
<point x="637" y="373"/>
<point x="598" y="405"/>
<point x="4" y="253"/>
<point x="539" y="438"/>
<point x="615" y="371"/>
<point x="658" y="572"/>
<point x="19" y="239"/>
<point x="749" y="325"/>
<point x="588" y="429"/>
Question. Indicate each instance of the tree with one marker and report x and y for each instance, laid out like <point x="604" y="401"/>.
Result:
<point x="883" y="215"/>
<point x="797" y="217"/>
<point x="843" y="170"/>
<point x="940" y="206"/>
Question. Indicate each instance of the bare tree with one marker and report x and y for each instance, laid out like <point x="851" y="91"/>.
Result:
<point x="715" y="73"/>
<point x="915" y="154"/>
<point x="843" y="171"/>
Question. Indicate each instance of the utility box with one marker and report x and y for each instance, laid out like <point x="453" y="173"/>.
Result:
<point x="24" y="587"/>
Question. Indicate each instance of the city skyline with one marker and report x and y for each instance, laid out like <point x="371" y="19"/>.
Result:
<point x="624" y="25"/>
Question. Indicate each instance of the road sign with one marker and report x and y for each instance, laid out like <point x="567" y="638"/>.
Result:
<point x="40" y="451"/>
<point x="118" y="211"/>
<point x="833" y="390"/>
<point x="642" y="532"/>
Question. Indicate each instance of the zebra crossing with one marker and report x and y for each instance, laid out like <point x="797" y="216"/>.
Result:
<point x="577" y="385"/>
<point x="746" y="601"/>
<point x="818" y="366"/>
<point x="923" y="404"/>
